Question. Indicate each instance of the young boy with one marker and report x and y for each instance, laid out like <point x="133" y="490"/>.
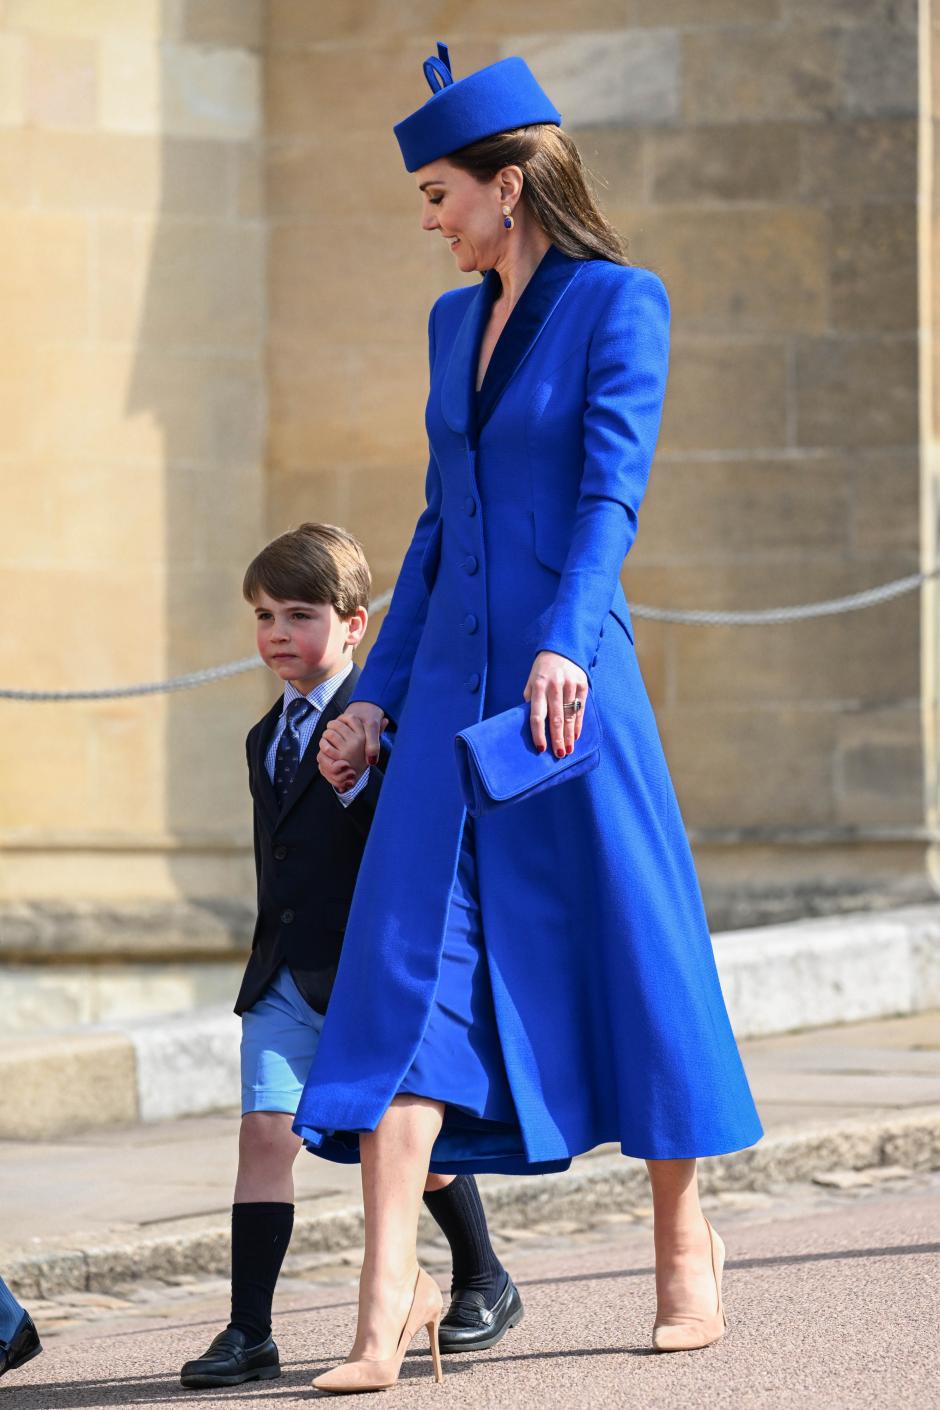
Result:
<point x="312" y="812"/>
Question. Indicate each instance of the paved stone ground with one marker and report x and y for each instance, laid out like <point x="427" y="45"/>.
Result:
<point x="833" y="1300"/>
<point x="142" y="1181"/>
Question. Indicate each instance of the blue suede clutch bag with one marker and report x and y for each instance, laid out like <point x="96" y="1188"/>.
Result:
<point x="498" y="764"/>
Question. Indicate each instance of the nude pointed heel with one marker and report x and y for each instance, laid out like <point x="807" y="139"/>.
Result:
<point x="434" y="1329"/>
<point x="697" y="1332"/>
<point x="427" y="1309"/>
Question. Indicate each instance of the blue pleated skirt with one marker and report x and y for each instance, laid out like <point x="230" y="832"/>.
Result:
<point x="460" y="1059"/>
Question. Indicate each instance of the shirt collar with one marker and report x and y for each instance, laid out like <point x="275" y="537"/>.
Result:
<point x="320" y="696"/>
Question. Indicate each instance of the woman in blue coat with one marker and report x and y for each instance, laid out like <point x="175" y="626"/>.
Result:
<point x="518" y="988"/>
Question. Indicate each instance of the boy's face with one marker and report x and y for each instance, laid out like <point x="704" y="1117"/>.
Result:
<point x="305" y="642"/>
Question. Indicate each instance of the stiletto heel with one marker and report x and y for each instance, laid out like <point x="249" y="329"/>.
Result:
<point x="697" y="1332"/>
<point x="427" y="1309"/>
<point x="434" y="1338"/>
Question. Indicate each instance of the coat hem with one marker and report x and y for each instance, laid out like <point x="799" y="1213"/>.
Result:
<point x="343" y="1149"/>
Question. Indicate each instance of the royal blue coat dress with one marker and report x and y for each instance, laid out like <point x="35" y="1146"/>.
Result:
<point x="606" y="1002"/>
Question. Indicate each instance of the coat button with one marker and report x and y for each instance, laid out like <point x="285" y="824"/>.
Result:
<point x="280" y="853"/>
<point x="470" y="623"/>
<point x="286" y="917"/>
<point x="470" y="504"/>
<point x="470" y="564"/>
<point x="473" y="682"/>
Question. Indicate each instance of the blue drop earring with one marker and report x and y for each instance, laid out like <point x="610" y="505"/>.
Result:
<point x="507" y="218"/>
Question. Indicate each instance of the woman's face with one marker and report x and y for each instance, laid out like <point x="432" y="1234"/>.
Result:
<point x="466" y="212"/>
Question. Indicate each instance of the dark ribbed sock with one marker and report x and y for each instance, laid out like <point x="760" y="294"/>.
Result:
<point x="458" y="1211"/>
<point x="11" y="1315"/>
<point x="260" y="1235"/>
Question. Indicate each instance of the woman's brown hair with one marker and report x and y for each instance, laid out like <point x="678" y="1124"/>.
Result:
<point x="556" y="188"/>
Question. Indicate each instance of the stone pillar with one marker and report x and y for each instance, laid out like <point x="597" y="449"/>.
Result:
<point x="929" y="233"/>
<point x="132" y="414"/>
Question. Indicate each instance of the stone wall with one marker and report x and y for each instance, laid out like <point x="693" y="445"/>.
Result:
<point x="762" y="157"/>
<point x="214" y="293"/>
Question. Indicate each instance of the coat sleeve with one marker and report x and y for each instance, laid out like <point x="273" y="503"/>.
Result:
<point x="387" y="671"/>
<point x="626" y="382"/>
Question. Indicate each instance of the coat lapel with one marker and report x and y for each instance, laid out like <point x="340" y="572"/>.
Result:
<point x="308" y="771"/>
<point x="539" y="299"/>
<point x="260" y="740"/>
<point x="458" y="390"/>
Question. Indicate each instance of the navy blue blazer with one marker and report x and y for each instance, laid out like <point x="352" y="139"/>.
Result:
<point x="307" y="857"/>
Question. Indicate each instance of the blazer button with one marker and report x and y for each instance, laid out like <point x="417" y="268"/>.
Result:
<point x="470" y="623"/>
<point x="470" y="564"/>
<point x="473" y="682"/>
<point x="280" y="853"/>
<point x="286" y="917"/>
<point x="470" y="504"/>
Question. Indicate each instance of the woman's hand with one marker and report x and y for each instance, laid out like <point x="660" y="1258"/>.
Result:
<point x="342" y="756"/>
<point x="374" y="721"/>
<point x="553" y="681"/>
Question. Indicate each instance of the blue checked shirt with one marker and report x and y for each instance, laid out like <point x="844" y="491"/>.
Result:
<point x="319" y="698"/>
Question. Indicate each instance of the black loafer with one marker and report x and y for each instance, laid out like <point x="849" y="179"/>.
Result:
<point x="472" y="1326"/>
<point x="24" y="1345"/>
<point x="229" y="1360"/>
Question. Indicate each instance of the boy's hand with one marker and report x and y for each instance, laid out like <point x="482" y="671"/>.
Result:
<point x="342" y="755"/>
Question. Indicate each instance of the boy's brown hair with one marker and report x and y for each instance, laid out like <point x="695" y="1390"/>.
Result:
<point x="312" y="563"/>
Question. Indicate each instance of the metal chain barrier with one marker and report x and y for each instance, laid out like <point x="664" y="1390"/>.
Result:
<point x="829" y="607"/>
<point x="832" y="606"/>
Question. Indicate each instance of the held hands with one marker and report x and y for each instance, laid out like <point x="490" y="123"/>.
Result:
<point x="345" y="748"/>
<point x="553" y="681"/>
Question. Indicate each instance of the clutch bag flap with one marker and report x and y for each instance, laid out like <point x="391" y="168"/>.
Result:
<point x="498" y="763"/>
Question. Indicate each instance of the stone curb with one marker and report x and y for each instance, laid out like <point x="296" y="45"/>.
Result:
<point x="597" y="1185"/>
<point x="833" y="969"/>
<point x="776" y="979"/>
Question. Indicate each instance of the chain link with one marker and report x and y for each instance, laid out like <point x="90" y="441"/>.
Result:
<point x="685" y="617"/>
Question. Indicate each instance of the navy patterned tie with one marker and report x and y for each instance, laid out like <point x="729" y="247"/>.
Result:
<point x="287" y="758"/>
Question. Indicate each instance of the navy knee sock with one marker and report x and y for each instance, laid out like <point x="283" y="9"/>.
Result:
<point x="260" y="1235"/>
<point x="459" y="1213"/>
<point x="11" y="1314"/>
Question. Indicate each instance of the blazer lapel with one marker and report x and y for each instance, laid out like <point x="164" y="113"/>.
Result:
<point x="308" y="771"/>
<point x="260" y="741"/>
<point x="458" y="390"/>
<point x="538" y="302"/>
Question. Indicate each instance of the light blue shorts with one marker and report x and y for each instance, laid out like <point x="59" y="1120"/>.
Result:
<point x="280" y="1034"/>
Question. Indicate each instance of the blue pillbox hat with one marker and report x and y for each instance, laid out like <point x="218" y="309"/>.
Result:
<point x="498" y="98"/>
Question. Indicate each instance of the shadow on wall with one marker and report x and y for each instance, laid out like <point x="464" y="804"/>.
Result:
<point x="198" y="370"/>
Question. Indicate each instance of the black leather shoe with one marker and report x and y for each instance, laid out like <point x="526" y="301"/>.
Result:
<point x="229" y="1360"/>
<point x="23" y="1347"/>
<point x="472" y="1326"/>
